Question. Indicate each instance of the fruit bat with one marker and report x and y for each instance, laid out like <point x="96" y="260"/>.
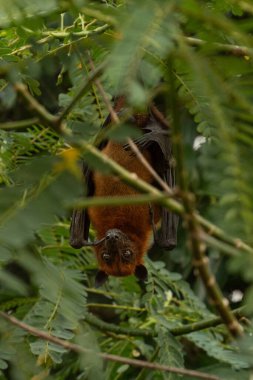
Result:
<point x="124" y="232"/>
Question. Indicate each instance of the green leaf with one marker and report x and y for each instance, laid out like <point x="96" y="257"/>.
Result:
<point x="170" y="352"/>
<point x="214" y="348"/>
<point x="18" y="10"/>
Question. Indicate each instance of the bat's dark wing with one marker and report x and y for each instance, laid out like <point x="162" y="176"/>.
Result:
<point x="80" y="222"/>
<point x="157" y="140"/>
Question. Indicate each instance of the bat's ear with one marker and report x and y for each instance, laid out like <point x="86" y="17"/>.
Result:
<point x="141" y="272"/>
<point x="100" y="279"/>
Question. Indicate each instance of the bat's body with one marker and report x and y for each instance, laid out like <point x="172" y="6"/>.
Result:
<point x="126" y="230"/>
<point x="134" y="221"/>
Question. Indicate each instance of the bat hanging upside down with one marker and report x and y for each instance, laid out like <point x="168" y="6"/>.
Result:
<point x="124" y="232"/>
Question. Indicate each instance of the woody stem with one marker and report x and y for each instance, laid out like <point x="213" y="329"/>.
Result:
<point x="198" y="248"/>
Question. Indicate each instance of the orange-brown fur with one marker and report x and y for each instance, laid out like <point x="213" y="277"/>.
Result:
<point x="133" y="220"/>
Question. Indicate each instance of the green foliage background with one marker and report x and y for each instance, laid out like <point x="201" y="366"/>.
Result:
<point x="49" y="285"/>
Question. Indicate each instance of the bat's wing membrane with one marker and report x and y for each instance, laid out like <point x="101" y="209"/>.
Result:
<point x="157" y="140"/>
<point x="167" y="235"/>
<point x="80" y="222"/>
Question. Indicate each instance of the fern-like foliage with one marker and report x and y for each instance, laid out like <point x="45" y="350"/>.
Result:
<point x="51" y="47"/>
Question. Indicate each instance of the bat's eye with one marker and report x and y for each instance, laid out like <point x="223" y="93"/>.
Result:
<point x="106" y="257"/>
<point x="127" y="255"/>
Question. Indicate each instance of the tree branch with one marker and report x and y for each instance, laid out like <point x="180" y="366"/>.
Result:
<point x="105" y="326"/>
<point x="220" y="245"/>
<point x="109" y="357"/>
<point x="198" y="326"/>
<point x="239" y="51"/>
<point x="213" y="230"/>
<point x="176" y="331"/>
<point x="198" y="248"/>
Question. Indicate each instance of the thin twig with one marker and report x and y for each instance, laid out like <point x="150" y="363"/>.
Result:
<point x="105" y="326"/>
<point x="159" y="116"/>
<point x="176" y="331"/>
<point x="220" y="245"/>
<point x="239" y="51"/>
<point x="83" y="33"/>
<point x="88" y="82"/>
<point x="109" y="357"/>
<point x="115" y="307"/>
<point x="137" y="199"/>
<point x="198" y="326"/>
<point x="146" y="164"/>
<point x="216" y="231"/>
<point x="19" y="124"/>
<point x="38" y="108"/>
<point x="106" y="100"/>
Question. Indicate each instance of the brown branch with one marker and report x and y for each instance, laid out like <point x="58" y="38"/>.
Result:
<point x="109" y="357"/>
<point x="198" y="248"/>
<point x="159" y="116"/>
<point x="146" y="164"/>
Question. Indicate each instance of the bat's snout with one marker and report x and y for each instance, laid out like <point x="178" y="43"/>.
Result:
<point x="113" y="235"/>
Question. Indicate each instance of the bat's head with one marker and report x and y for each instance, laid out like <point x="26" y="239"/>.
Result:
<point x="118" y="256"/>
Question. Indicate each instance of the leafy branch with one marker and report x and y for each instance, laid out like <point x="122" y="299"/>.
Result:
<point x="176" y="331"/>
<point x="83" y="33"/>
<point x="108" y="357"/>
<point x="186" y="209"/>
<point x="130" y="178"/>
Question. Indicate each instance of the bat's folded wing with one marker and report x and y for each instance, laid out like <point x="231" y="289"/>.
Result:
<point x="80" y="221"/>
<point x="156" y="138"/>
